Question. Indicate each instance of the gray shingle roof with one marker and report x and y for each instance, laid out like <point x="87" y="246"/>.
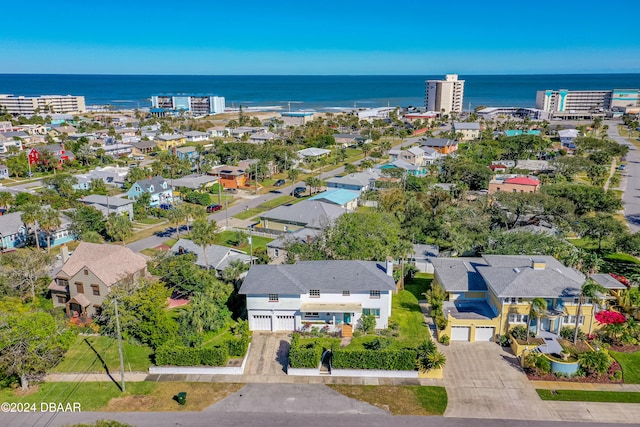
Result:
<point x="436" y="142"/>
<point x="513" y="276"/>
<point x="102" y="200"/>
<point x="156" y="182"/>
<point x="311" y="213"/>
<point x="459" y="274"/>
<point x="359" y="178"/>
<point x="608" y="282"/>
<point x="466" y="126"/>
<point x="10" y="223"/>
<point x="219" y="257"/>
<point x="326" y="276"/>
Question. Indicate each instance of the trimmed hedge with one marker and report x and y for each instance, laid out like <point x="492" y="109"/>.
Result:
<point x="172" y="355"/>
<point x="390" y="360"/>
<point x="237" y="347"/>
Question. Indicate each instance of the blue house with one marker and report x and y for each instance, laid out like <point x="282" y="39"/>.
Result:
<point x="59" y="236"/>
<point x="407" y="167"/>
<point x="347" y="199"/>
<point x="159" y="188"/>
<point x="13" y="232"/>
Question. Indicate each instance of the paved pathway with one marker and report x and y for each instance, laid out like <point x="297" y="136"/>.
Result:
<point x="269" y="354"/>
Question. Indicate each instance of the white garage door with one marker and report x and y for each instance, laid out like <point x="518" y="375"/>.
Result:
<point x="261" y="323"/>
<point x="460" y="333"/>
<point x="285" y="323"/>
<point x="485" y="333"/>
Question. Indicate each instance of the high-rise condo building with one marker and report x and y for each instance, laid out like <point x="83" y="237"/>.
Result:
<point x="28" y="105"/>
<point x="196" y="105"/>
<point x="578" y="101"/>
<point x="445" y="96"/>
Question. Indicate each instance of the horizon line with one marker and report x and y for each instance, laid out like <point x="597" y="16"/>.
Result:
<point x="314" y="75"/>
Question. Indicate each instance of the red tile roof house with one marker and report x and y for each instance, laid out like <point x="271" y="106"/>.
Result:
<point x="514" y="184"/>
<point x="89" y="275"/>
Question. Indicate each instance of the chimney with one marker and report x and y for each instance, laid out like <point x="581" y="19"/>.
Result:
<point x="64" y="251"/>
<point x="389" y="266"/>
<point x="308" y="239"/>
<point x="538" y="264"/>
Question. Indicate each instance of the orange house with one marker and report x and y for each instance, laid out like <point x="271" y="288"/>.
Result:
<point x="513" y="184"/>
<point x="441" y="145"/>
<point x="230" y="176"/>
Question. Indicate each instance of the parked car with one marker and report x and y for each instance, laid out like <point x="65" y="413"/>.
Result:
<point x="622" y="167"/>
<point x="213" y="208"/>
<point x="298" y="192"/>
<point x="139" y="157"/>
<point x="280" y="183"/>
<point x="166" y="206"/>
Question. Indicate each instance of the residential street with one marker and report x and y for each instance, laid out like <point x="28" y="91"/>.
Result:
<point x="631" y="180"/>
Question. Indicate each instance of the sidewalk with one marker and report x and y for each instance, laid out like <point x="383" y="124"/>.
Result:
<point x="567" y="385"/>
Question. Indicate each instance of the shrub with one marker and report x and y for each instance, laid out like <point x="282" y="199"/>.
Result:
<point x="504" y="340"/>
<point x="377" y="344"/>
<point x="428" y="357"/>
<point x="538" y="362"/>
<point x="306" y="355"/>
<point x="441" y="321"/>
<point x="237" y="346"/>
<point x="520" y="332"/>
<point x="594" y="362"/>
<point x="177" y="355"/>
<point x="444" y="339"/>
<point x="203" y="199"/>
<point x="399" y="360"/>
<point x="607" y="317"/>
<point x="567" y="333"/>
<point x="367" y="323"/>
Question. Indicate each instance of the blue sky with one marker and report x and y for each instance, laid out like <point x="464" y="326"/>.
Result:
<point x="323" y="37"/>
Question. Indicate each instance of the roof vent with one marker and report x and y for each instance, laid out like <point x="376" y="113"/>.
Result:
<point x="516" y="270"/>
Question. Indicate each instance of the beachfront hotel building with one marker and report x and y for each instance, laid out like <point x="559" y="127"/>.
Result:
<point x="28" y="105"/>
<point x="194" y="104"/>
<point x="562" y="102"/>
<point x="445" y="96"/>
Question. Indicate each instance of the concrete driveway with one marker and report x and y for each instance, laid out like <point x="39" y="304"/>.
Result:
<point x="269" y="354"/>
<point x="485" y="381"/>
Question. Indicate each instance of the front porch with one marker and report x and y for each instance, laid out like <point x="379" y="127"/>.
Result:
<point x="331" y="318"/>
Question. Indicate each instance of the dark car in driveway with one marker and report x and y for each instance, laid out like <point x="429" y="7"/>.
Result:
<point x="279" y="183"/>
<point x="166" y="206"/>
<point x="213" y="208"/>
<point x="299" y="191"/>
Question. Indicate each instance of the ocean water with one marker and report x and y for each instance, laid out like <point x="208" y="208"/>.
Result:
<point x="306" y="92"/>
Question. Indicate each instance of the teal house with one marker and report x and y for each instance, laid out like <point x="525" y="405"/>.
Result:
<point x="518" y="132"/>
<point x="347" y="199"/>
<point x="61" y="235"/>
<point x="13" y="232"/>
<point x="407" y="167"/>
<point x="159" y="188"/>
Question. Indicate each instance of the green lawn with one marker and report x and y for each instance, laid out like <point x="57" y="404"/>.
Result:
<point x="407" y="314"/>
<point x="81" y="358"/>
<point x="399" y="400"/>
<point x="590" y="396"/>
<point x="150" y="220"/>
<point x="277" y="202"/>
<point x="227" y="238"/>
<point x="622" y="258"/>
<point x="587" y="244"/>
<point x="420" y="284"/>
<point x="630" y="363"/>
<point x="249" y="213"/>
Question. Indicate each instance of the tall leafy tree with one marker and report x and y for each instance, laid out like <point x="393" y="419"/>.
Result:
<point x="30" y="215"/>
<point x="31" y="343"/>
<point x="119" y="227"/>
<point x="590" y="290"/>
<point x="599" y="227"/>
<point x="49" y="220"/>
<point x="203" y="234"/>
<point x="26" y="272"/>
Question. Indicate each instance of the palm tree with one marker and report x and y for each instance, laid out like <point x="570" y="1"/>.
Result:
<point x="176" y="216"/>
<point x="234" y="271"/>
<point x="313" y="183"/>
<point x="30" y="215"/>
<point x="49" y="221"/>
<point x="592" y="290"/>
<point x="537" y="308"/>
<point x="119" y="227"/>
<point x="6" y="199"/>
<point x="293" y="174"/>
<point x="203" y="234"/>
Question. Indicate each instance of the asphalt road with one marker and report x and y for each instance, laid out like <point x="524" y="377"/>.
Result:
<point x="233" y="419"/>
<point x="631" y="180"/>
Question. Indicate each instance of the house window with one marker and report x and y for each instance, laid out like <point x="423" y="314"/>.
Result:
<point x="273" y="298"/>
<point x="346" y="293"/>
<point x="571" y="320"/>
<point x="311" y="315"/>
<point x="86" y="272"/>
<point x="95" y="289"/>
<point x="62" y="299"/>
<point x="368" y="311"/>
<point x="62" y="282"/>
<point x="374" y="294"/>
<point x="314" y="293"/>
<point x="80" y="287"/>
<point x="518" y="318"/>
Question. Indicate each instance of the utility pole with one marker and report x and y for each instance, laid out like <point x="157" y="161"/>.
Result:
<point x="251" y="246"/>
<point x="119" y="345"/>
<point x="226" y="211"/>
<point x="256" y="177"/>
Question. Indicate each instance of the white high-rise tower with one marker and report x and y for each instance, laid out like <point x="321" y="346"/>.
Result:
<point x="445" y="96"/>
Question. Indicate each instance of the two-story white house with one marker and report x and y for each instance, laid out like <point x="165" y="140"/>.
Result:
<point x="329" y="294"/>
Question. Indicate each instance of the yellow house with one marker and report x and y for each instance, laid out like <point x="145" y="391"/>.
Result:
<point x="488" y="296"/>
<point x="166" y="142"/>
